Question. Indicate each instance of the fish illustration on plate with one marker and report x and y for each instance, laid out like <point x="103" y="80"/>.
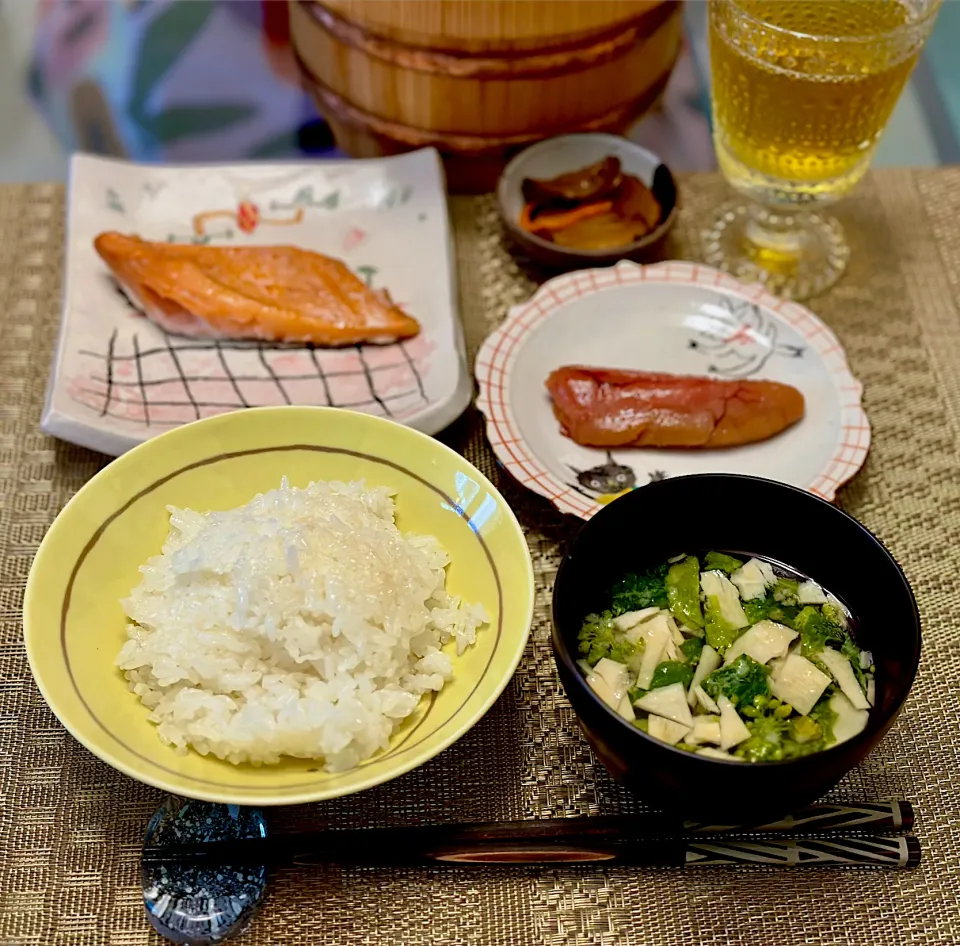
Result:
<point x="738" y="338"/>
<point x="605" y="482"/>
<point x="610" y="480"/>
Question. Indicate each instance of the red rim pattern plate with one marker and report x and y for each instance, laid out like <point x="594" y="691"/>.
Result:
<point x="677" y="317"/>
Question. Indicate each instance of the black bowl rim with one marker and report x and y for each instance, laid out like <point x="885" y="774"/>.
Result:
<point x="561" y="650"/>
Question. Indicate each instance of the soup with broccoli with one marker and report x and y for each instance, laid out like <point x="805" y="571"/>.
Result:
<point x="729" y="658"/>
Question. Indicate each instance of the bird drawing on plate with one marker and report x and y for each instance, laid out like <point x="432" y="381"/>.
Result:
<point x="739" y="338"/>
<point x="248" y="216"/>
<point x="606" y="482"/>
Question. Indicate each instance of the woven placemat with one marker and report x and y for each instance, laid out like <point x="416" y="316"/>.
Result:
<point x="70" y="827"/>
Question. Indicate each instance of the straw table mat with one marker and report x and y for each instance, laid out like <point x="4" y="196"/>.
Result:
<point x="70" y="827"/>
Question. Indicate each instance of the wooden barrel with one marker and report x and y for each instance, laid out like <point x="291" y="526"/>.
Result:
<point x="480" y="79"/>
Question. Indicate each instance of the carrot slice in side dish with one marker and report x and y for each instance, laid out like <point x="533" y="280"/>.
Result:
<point x="599" y="407"/>
<point x="276" y="293"/>
<point x="558" y="219"/>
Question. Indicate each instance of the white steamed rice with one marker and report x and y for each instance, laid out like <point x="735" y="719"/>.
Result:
<point x="302" y="624"/>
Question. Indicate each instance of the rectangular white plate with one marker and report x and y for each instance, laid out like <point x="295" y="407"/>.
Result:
<point x="117" y="379"/>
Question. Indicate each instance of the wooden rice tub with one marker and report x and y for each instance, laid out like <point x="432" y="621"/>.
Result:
<point x="480" y="79"/>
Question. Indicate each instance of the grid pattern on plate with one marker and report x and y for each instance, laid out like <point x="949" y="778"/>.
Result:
<point x="158" y="380"/>
<point x="499" y="352"/>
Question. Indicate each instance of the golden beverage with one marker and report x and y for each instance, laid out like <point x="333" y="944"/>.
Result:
<point x="802" y="90"/>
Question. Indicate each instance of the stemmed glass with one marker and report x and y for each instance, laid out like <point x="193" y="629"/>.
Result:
<point x="802" y="90"/>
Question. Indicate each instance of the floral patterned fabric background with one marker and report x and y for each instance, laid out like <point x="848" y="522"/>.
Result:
<point x="214" y="80"/>
<point x="172" y="80"/>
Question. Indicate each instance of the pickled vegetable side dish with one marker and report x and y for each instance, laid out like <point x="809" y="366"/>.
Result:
<point x="729" y="659"/>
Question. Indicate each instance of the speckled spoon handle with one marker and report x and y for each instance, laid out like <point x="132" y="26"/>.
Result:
<point x="197" y="904"/>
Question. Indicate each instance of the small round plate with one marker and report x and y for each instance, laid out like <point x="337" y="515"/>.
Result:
<point x="676" y="317"/>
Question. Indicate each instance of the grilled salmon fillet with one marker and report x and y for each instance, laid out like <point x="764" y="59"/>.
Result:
<point x="600" y="407"/>
<point x="276" y="293"/>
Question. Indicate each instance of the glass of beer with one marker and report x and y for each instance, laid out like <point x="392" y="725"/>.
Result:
<point x="802" y="90"/>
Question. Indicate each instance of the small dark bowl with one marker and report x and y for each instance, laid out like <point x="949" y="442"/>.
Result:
<point x="559" y="155"/>
<point x="751" y="516"/>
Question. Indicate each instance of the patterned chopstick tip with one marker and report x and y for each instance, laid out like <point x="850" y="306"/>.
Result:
<point x="894" y="816"/>
<point x="897" y="852"/>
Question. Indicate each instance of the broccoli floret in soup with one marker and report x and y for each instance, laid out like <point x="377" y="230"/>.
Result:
<point x="600" y="637"/>
<point x="741" y="681"/>
<point x="637" y="592"/>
